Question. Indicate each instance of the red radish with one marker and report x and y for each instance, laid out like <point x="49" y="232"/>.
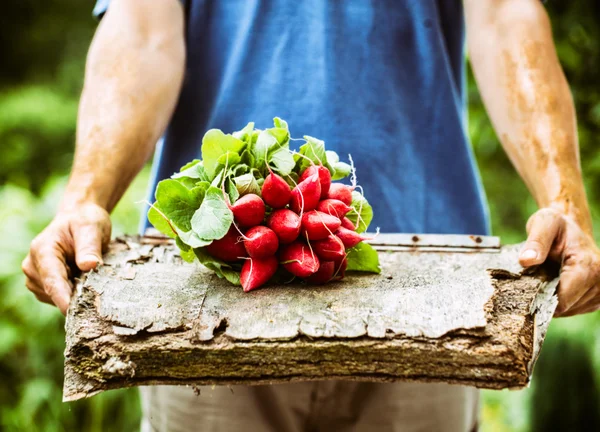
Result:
<point x="324" y="274"/>
<point x="347" y="223"/>
<point x="317" y="225"/>
<point x="341" y="192"/>
<point x="329" y="249"/>
<point x="324" y="177"/>
<point x="286" y="225"/>
<point x="249" y="210"/>
<point x="299" y="260"/>
<point x="256" y="272"/>
<point x="306" y="194"/>
<point x="229" y="248"/>
<point x="333" y="207"/>
<point x="275" y="191"/>
<point x="261" y="242"/>
<point x="349" y="237"/>
<point x="340" y="270"/>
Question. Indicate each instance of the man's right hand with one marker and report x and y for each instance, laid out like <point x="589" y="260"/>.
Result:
<point x="74" y="237"/>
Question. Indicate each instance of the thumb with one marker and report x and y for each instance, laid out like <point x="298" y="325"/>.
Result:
<point x="543" y="227"/>
<point x="88" y="246"/>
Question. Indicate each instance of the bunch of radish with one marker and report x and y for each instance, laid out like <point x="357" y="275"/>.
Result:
<point x="280" y="212"/>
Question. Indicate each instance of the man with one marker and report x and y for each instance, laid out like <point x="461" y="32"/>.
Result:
<point x="381" y="80"/>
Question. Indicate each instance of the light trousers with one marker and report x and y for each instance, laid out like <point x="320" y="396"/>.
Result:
<point x="342" y="406"/>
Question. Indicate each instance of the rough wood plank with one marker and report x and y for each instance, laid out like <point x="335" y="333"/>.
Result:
<point x="146" y="317"/>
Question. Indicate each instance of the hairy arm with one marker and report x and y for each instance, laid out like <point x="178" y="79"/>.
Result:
<point x="133" y="76"/>
<point x="531" y="108"/>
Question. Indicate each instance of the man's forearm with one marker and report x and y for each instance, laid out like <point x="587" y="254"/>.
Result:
<point x="528" y="100"/>
<point x="133" y="76"/>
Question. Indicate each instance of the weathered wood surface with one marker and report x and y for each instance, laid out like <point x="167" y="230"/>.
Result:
<point x="148" y="318"/>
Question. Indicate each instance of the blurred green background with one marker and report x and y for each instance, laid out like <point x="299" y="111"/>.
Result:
<point x="43" y="46"/>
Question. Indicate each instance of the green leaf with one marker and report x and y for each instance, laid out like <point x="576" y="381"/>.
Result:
<point x="181" y="245"/>
<point x="188" y="256"/>
<point x="245" y="134"/>
<point x="159" y="222"/>
<point x="265" y="142"/>
<point x="191" y="239"/>
<point x="360" y="207"/>
<point x="192" y="170"/>
<point x="281" y="135"/>
<point x="363" y="257"/>
<point x="188" y="182"/>
<point x="248" y="159"/>
<point x="280" y="123"/>
<point x="231" y="190"/>
<point x="216" y="144"/>
<point x="177" y="202"/>
<point x="239" y="170"/>
<point x="314" y="149"/>
<point x="246" y="184"/>
<point x="222" y="269"/>
<point x="190" y="165"/>
<point x="340" y="170"/>
<point x="213" y="219"/>
<point x="199" y="191"/>
<point x="283" y="161"/>
<point x="332" y="157"/>
<point x="229" y="158"/>
<point x="218" y="179"/>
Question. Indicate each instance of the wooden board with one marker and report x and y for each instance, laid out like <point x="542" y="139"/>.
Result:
<point x="147" y="318"/>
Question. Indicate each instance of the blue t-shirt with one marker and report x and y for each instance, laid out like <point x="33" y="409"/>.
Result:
<point x="383" y="80"/>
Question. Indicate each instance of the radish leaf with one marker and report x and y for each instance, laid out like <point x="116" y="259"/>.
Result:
<point x="216" y="144"/>
<point x="213" y="219"/>
<point x="222" y="269"/>
<point x="246" y="184"/>
<point x="361" y="214"/>
<point x="363" y="257"/>
<point x="177" y="202"/>
<point x="283" y="161"/>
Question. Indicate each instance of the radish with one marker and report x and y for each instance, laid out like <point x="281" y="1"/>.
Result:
<point x="286" y="225"/>
<point x="349" y="237"/>
<point x="249" y="210"/>
<point x="299" y="259"/>
<point x="275" y="191"/>
<point x="317" y="225"/>
<point x="228" y="248"/>
<point x="333" y="207"/>
<point x="340" y="270"/>
<point x="330" y="249"/>
<point x="261" y="242"/>
<point x="341" y="192"/>
<point x="256" y="272"/>
<point x="324" y="274"/>
<point x="306" y="194"/>
<point x="324" y="177"/>
<point x="347" y="223"/>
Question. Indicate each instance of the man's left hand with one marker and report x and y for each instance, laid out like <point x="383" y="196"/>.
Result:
<point x="557" y="236"/>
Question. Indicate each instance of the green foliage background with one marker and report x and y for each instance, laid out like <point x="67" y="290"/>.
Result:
<point x="43" y="46"/>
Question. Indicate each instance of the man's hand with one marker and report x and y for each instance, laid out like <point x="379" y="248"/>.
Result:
<point x="133" y="76"/>
<point x="528" y="100"/>
<point x="553" y="235"/>
<point x="74" y="237"/>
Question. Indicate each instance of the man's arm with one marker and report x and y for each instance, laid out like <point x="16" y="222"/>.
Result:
<point x="133" y="76"/>
<point x="530" y="105"/>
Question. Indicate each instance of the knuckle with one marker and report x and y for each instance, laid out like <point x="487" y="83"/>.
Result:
<point x="25" y="266"/>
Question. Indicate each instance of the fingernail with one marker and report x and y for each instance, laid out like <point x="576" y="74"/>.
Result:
<point x="529" y="254"/>
<point x="91" y="258"/>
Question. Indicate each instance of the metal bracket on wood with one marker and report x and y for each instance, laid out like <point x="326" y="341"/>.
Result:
<point x="435" y="243"/>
